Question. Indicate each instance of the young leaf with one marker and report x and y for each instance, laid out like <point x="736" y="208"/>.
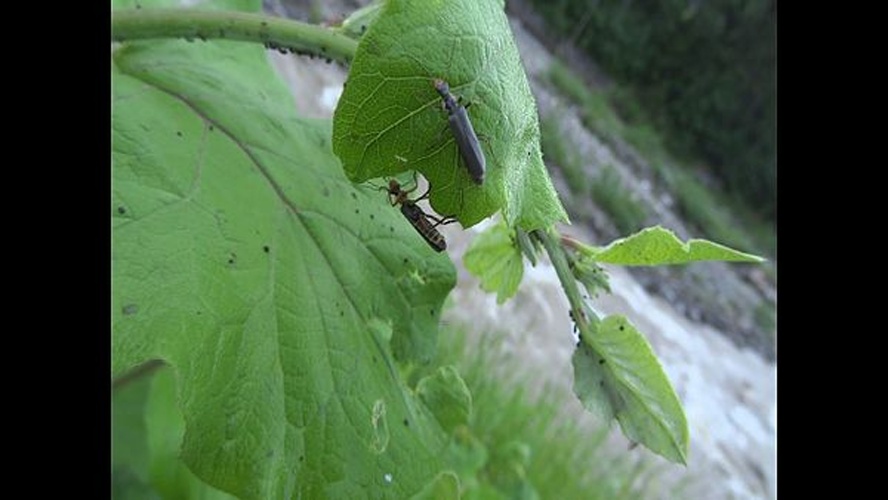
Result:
<point x="245" y="259"/>
<point x="447" y="396"/>
<point x="527" y="246"/>
<point x="656" y="246"/>
<point x="617" y="375"/>
<point x="590" y="274"/>
<point x="390" y="117"/>
<point x="356" y="24"/>
<point x="445" y="486"/>
<point x="495" y="260"/>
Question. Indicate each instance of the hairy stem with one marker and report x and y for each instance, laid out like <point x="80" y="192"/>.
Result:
<point x="583" y="316"/>
<point x="273" y="32"/>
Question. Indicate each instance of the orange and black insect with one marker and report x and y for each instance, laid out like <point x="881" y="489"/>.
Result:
<point x="417" y="217"/>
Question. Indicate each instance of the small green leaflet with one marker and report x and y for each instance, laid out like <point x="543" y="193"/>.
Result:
<point x="445" y="486"/>
<point x="447" y="396"/>
<point x="496" y="261"/>
<point x="390" y="118"/>
<point x="617" y="375"/>
<point x="656" y="246"/>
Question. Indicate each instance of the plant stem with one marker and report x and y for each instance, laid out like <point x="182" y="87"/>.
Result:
<point x="273" y="32"/>
<point x="583" y="316"/>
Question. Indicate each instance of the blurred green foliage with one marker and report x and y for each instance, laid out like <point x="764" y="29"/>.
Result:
<point x="704" y="70"/>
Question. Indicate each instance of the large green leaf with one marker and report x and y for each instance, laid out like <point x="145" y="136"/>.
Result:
<point x="656" y="246"/>
<point x="244" y="258"/>
<point x="617" y="375"/>
<point x="390" y="118"/>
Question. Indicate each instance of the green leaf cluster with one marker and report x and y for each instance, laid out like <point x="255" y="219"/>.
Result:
<point x="616" y="373"/>
<point x="390" y="118"/>
<point x="287" y="303"/>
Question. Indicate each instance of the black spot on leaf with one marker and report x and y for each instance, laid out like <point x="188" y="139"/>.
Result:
<point x="130" y="309"/>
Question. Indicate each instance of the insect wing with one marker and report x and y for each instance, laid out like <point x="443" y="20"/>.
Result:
<point x="467" y="141"/>
<point x="422" y="225"/>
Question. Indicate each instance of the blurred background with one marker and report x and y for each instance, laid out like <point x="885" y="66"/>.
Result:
<point x="651" y="113"/>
